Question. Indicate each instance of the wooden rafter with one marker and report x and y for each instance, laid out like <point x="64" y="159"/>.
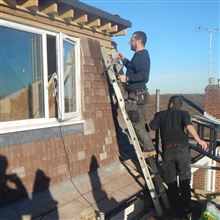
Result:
<point x="114" y="29"/>
<point x="49" y="7"/>
<point x="121" y="33"/>
<point x="106" y="27"/>
<point x="82" y="19"/>
<point x="8" y="2"/>
<point x="64" y="12"/>
<point x="67" y="14"/>
<point x="95" y="23"/>
<point x="29" y="4"/>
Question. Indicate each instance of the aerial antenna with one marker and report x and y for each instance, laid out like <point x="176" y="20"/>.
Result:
<point x="210" y="31"/>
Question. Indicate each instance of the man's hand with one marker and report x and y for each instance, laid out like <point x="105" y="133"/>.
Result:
<point x="122" y="78"/>
<point x="195" y="135"/>
<point x="203" y="144"/>
<point x="121" y="56"/>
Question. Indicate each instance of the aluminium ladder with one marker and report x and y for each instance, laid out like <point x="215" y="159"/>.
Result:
<point x="156" y="187"/>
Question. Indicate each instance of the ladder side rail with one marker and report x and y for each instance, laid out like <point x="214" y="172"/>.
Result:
<point x="135" y="142"/>
<point x="137" y="147"/>
<point x="159" y="182"/>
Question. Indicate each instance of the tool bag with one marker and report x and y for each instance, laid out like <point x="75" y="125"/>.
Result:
<point x="132" y="110"/>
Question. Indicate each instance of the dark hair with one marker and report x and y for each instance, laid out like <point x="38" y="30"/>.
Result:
<point x="140" y="35"/>
<point x="176" y="101"/>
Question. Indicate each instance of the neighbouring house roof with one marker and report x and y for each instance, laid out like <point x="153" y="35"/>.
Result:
<point x="211" y="118"/>
<point x="208" y="121"/>
<point x="76" y="13"/>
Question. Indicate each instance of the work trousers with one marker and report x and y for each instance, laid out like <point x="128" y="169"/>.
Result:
<point x="137" y="114"/>
<point x="179" y="197"/>
<point x="176" y="162"/>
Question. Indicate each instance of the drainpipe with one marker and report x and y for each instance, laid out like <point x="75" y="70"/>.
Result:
<point x="211" y="177"/>
<point x="191" y="182"/>
<point x="203" y="161"/>
<point x="214" y="173"/>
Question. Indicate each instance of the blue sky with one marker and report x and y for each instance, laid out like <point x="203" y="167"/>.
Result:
<point x="179" y="55"/>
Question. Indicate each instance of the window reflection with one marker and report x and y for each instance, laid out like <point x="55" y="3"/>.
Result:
<point x="21" y="75"/>
<point x="69" y="77"/>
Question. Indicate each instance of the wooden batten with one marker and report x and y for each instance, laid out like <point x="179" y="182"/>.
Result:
<point x="66" y="14"/>
<point x="49" y="7"/>
<point x="114" y="29"/>
<point x="95" y="23"/>
<point x="82" y="19"/>
<point x="106" y="27"/>
<point x="29" y="4"/>
<point x="8" y="2"/>
<point x="121" y="33"/>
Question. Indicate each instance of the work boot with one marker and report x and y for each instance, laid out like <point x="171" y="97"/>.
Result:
<point x="174" y="199"/>
<point x="185" y="195"/>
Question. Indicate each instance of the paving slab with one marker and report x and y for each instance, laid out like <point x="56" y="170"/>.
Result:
<point x="82" y="197"/>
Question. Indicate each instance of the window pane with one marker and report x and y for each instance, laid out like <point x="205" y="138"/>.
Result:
<point x="21" y="75"/>
<point x="69" y="77"/>
<point x="52" y="73"/>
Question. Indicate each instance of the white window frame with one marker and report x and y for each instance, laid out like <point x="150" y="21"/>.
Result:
<point x="28" y="124"/>
<point x="76" y="43"/>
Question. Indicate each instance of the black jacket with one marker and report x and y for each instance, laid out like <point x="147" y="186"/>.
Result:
<point x="138" y="70"/>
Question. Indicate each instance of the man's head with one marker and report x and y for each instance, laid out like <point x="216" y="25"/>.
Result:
<point x="138" y="40"/>
<point x="175" y="101"/>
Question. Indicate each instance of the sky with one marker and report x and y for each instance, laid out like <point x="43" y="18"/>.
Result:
<point x="179" y="54"/>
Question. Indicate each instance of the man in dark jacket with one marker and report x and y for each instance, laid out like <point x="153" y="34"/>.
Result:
<point x="135" y="80"/>
<point x="176" y="154"/>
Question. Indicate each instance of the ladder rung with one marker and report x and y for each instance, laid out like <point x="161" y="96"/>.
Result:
<point x="149" y="171"/>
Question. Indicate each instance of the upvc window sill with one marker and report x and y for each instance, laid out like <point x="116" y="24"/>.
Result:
<point x="36" y="124"/>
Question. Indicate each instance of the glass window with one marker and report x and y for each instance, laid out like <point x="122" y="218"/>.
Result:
<point x="52" y="76"/>
<point x="69" y="77"/>
<point x="21" y="75"/>
<point x="39" y="76"/>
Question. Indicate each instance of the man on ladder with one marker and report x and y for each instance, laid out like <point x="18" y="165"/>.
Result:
<point x="134" y="108"/>
<point x="135" y="80"/>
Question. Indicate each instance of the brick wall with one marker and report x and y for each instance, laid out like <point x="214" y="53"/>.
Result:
<point x="212" y="107"/>
<point x="199" y="179"/>
<point x="217" y="182"/>
<point x="212" y="100"/>
<point x="55" y="159"/>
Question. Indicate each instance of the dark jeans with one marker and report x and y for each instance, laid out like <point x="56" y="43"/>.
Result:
<point x="176" y="162"/>
<point x="137" y="115"/>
